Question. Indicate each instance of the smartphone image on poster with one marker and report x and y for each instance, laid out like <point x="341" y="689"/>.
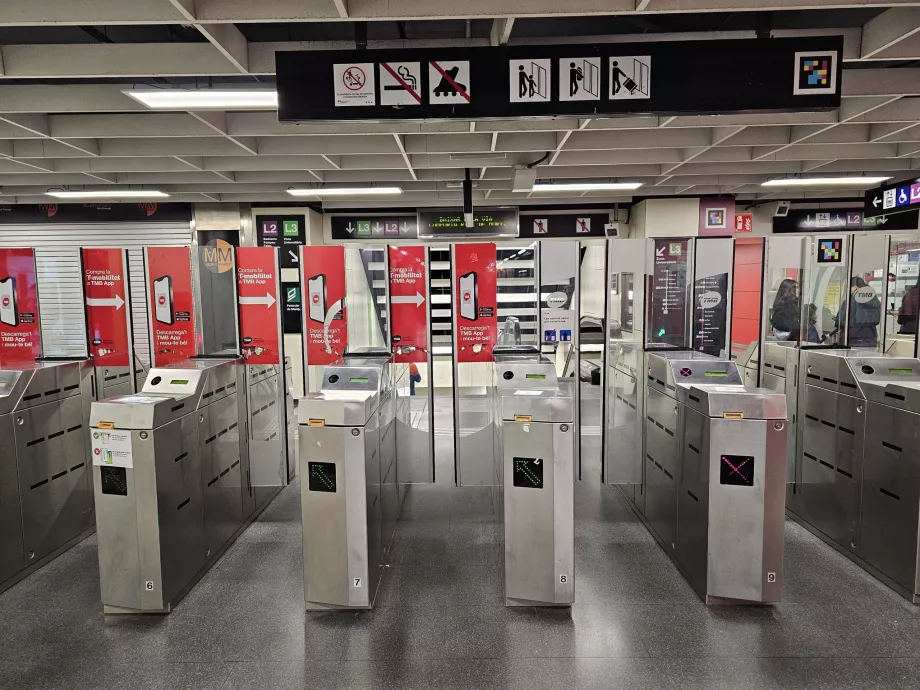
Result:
<point x="316" y="293"/>
<point x="469" y="296"/>
<point x="8" y="312"/>
<point x="163" y="300"/>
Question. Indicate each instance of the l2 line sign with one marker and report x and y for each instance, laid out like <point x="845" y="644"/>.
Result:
<point x="689" y="77"/>
<point x="893" y="198"/>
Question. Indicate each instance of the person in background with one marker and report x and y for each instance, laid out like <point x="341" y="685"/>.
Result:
<point x="784" y="317"/>
<point x="864" y="316"/>
<point x="811" y="334"/>
<point x="414" y="377"/>
<point x="910" y="308"/>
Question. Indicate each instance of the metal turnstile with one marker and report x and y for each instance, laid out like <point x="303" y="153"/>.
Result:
<point x="715" y="476"/>
<point x="268" y="431"/>
<point x="350" y="497"/>
<point x="858" y="472"/>
<point x="535" y="454"/>
<point x="45" y="497"/>
<point x="171" y="480"/>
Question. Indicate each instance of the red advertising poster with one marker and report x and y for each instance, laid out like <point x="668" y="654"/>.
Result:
<point x="325" y="317"/>
<point x="408" y="312"/>
<point x="260" y="316"/>
<point x="477" y="309"/>
<point x="105" y="287"/>
<point x="169" y="294"/>
<point x="20" y="335"/>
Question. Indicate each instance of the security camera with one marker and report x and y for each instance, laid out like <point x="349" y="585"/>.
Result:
<point x="782" y="209"/>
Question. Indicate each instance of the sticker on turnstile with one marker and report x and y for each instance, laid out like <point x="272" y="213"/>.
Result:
<point x="112" y="448"/>
<point x="149" y="586"/>
<point x="771" y="577"/>
<point x="528" y="473"/>
<point x="321" y="477"/>
<point x="736" y="470"/>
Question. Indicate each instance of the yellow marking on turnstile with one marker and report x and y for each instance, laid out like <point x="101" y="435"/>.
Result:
<point x="733" y="415"/>
<point x="106" y="425"/>
<point x="523" y="418"/>
<point x="316" y="422"/>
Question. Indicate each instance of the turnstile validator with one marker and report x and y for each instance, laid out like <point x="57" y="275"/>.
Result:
<point x="350" y="497"/>
<point x="535" y="449"/>
<point x="171" y="481"/>
<point x="715" y="468"/>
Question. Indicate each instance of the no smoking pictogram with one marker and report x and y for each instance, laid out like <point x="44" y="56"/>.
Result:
<point x="354" y="78"/>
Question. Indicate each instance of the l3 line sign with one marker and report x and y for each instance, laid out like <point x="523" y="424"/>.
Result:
<point x="722" y="76"/>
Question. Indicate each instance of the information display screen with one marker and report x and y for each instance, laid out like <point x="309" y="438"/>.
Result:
<point x="321" y="477"/>
<point x="899" y="372"/>
<point x="528" y="473"/>
<point x="716" y="373"/>
<point x="736" y="470"/>
<point x="179" y="382"/>
<point x="540" y="377"/>
<point x="358" y="379"/>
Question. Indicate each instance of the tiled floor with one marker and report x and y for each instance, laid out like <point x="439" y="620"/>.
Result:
<point x="440" y="622"/>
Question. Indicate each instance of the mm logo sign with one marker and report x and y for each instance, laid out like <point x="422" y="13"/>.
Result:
<point x="217" y="256"/>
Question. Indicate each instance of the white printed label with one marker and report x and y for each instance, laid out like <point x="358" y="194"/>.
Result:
<point x="357" y="582"/>
<point x="563" y="579"/>
<point x="112" y="448"/>
<point x="771" y="577"/>
<point x="149" y="585"/>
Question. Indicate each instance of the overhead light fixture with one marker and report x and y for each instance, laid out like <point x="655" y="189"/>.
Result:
<point x="109" y="194"/>
<point x="825" y="182"/>
<point x="346" y="191"/>
<point x="586" y="186"/>
<point x="204" y="99"/>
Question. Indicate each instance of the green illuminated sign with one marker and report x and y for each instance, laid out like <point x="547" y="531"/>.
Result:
<point x="901" y="371"/>
<point x="359" y="379"/>
<point x="716" y="373"/>
<point x="535" y="376"/>
<point x="179" y="382"/>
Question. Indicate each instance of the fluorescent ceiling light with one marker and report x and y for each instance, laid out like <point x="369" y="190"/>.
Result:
<point x="110" y="194"/>
<point x="585" y="186"/>
<point x="179" y="99"/>
<point x="825" y="182"/>
<point x="346" y="191"/>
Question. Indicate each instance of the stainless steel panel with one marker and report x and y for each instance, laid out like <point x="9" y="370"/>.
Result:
<point x="891" y="494"/>
<point x="832" y="427"/>
<point x="693" y="500"/>
<point x="53" y="485"/>
<point x="624" y="432"/>
<point x="219" y="450"/>
<point x="389" y="483"/>
<point x="11" y="545"/>
<point x="661" y="454"/>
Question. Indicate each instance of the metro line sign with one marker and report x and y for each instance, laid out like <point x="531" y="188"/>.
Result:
<point x="893" y="198"/>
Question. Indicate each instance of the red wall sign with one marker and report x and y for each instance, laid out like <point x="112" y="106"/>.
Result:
<point x="477" y="308"/>
<point x="260" y="309"/>
<point x="105" y="287"/>
<point x="170" y="300"/>
<point x="20" y="333"/>
<point x="408" y="293"/>
<point x="325" y="318"/>
<point x="744" y="222"/>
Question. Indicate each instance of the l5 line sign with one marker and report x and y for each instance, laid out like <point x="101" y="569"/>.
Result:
<point x="893" y="198"/>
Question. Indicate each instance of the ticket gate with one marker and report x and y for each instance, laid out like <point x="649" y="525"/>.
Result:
<point x="45" y="497"/>
<point x="858" y="465"/>
<point x="715" y="476"/>
<point x="535" y="456"/>
<point x="170" y="476"/>
<point x="350" y="497"/>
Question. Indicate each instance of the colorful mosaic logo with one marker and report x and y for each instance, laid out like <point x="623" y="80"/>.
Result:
<point x="829" y="251"/>
<point x="815" y="73"/>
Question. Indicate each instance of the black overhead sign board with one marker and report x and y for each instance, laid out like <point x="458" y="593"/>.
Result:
<point x="576" y="225"/>
<point x="285" y="232"/>
<point x="371" y="227"/>
<point x="819" y="220"/>
<point x="95" y="213"/>
<point x="896" y="197"/>
<point x="693" y="77"/>
<point x="500" y="221"/>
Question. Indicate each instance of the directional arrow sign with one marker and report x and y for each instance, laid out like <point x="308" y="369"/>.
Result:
<point x="876" y="201"/>
<point x="378" y="228"/>
<point x="293" y="255"/>
<point x="659" y="251"/>
<point x="350" y="228"/>
<point x="896" y="197"/>
<point x="404" y="228"/>
<point x="115" y="301"/>
<point x="418" y="299"/>
<point x="268" y="300"/>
